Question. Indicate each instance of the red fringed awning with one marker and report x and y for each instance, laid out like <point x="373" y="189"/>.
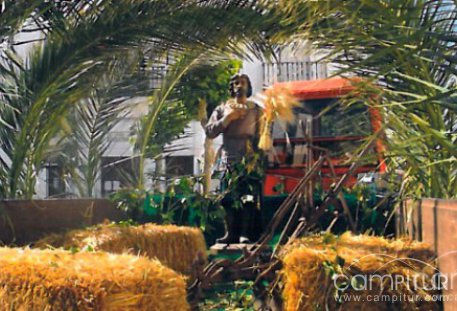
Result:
<point x="322" y="88"/>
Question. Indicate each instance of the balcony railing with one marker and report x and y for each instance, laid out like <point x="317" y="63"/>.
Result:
<point x="293" y="71"/>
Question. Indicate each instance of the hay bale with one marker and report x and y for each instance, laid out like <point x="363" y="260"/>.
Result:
<point x="174" y="246"/>
<point x="315" y="264"/>
<point x="32" y="279"/>
<point x="402" y="247"/>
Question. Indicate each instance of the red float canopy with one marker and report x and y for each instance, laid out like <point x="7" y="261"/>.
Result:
<point x="322" y="88"/>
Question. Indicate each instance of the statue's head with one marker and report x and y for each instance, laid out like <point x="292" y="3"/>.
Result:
<point x="240" y="85"/>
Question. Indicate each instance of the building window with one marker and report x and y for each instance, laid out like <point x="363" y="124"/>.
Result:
<point x="55" y="180"/>
<point x="117" y="173"/>
<point x="179" y="166"/>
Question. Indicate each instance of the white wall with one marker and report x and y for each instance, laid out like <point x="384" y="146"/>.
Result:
<point x="255" y="72"/>
<point x="193" y="140"/>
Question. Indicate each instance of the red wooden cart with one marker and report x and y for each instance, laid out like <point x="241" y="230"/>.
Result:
<point x="322" y="124"/>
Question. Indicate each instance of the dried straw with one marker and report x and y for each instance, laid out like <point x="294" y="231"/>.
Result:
<point x="311" y="262"/>
<point x="32" y="279"/>
<point x="278" y="103"/>
<point x="174" y="246"/>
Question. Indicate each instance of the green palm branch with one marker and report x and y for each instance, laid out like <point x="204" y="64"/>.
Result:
<point x="407" y="49"/>
<point x="38" y="93"/>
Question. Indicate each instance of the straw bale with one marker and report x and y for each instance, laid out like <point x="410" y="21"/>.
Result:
<point x="311" y="265"/>
<point x="174" y="246"/>
<point x="32" y="279"/>
<point x="402" y="247"/>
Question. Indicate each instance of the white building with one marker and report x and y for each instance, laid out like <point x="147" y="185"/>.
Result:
<point x="293" y="63"/>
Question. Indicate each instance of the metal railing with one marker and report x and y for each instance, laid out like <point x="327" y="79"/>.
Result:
<point x="293" y="71"/>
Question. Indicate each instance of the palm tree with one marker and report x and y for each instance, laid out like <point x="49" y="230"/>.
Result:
<point x="90" y="122"/>
<point x="81" y="40"/>
<point x="407" y="49"/>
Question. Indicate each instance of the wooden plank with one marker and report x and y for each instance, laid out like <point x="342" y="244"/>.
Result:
<point x="232" y="249"/>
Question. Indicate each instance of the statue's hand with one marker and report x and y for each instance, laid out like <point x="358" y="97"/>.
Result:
<point x="236" y="113"/>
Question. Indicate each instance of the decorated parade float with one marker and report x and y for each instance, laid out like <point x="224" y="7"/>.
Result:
<point x="317" y="156"/>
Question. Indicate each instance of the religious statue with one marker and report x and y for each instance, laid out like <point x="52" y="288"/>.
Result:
<point x="238" y="120"/>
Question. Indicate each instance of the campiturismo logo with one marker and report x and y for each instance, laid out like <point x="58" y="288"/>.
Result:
<point x="385" y="285"/>
<point x="419" y="281"/>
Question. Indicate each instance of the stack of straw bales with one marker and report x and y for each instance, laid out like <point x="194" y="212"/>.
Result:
<point x="176" y="247"/>
<point x="59" y="280"/>
<point x="315" y="266"/>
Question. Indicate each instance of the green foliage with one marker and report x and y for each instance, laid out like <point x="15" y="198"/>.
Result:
<point x="243" y="180"/>
<point x="91" y="121"/>
<point x="371" y="213"/>
<point x="406" y="50"/>
<point x="238" y="297"/>
<point x="148" y="126"/>
<point x="170" y="124"/>
<point x="80" y="40"/>
<point x="130" y="201"/>
<point x="14" y="13"/>
<point x="180" y="205"/>
<point x="208" y="82"/>
<point x="125" y="223"/>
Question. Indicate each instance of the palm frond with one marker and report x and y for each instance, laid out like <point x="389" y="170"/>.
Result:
<point x="408" y="49"/>
<point x="81" y="38"/>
